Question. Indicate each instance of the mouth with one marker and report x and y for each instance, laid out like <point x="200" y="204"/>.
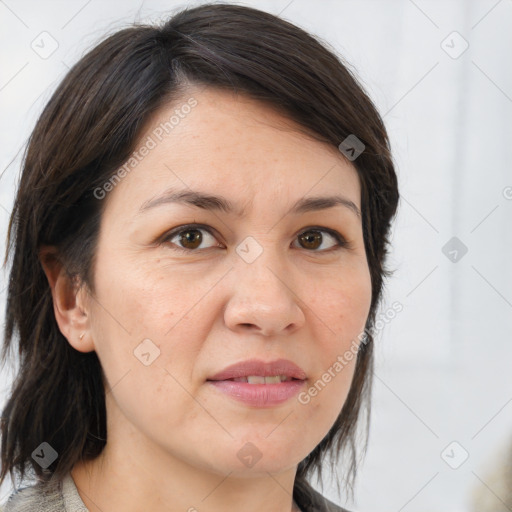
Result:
<point x="260" y="384"/>
<point x="255" y="371"/>
<point x="259" y="379"/>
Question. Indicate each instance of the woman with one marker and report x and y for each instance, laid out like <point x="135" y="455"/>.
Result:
<point x="198" y="246"/>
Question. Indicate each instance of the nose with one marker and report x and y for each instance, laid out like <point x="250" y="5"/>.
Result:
<point x="263" y="300"/>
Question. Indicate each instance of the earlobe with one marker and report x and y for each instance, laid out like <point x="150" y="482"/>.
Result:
<point x="72" y="320"/>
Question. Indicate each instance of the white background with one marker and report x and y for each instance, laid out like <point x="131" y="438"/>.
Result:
<point x="444" y="363"/>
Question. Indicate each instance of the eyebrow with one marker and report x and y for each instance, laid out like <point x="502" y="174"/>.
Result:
<point x="218" y="203"/>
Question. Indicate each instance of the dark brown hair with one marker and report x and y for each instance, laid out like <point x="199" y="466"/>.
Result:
<point x="89" y="128"/>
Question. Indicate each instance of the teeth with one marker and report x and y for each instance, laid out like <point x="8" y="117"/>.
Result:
<point x="257" y="379"/>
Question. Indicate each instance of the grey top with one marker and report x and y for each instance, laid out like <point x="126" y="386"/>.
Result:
<point x="55" y="496"/>
<point x="52" y="496"/>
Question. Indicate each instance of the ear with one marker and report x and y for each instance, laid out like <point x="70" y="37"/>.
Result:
<point x="68" y="301"/>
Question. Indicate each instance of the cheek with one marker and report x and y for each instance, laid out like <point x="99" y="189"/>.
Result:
<point x="322" y="401"/>
<point x="146" y="313"/>
<point x="342" y="304"/>
<point x="147" y="342"/>
<point x="342" y="310"/>
<point x="147" y="297"/>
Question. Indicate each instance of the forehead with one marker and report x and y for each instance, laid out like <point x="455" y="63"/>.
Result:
<point x="233" y="146"/>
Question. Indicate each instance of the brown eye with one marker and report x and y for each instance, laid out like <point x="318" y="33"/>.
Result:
<point x="312" y="239"/>
<point x="189" y="239"/>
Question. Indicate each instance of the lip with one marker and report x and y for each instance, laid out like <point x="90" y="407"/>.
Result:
<point x="262" y="368"/>
<point x="260" y="395"/>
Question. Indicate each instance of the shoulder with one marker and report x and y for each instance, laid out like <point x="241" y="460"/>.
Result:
<point x="43" y="496"/>
<point x="310" y="500"/>
<point x="50" y="496"/>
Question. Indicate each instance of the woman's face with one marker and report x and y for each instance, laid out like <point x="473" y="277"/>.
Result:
<point x="175" y="305"/>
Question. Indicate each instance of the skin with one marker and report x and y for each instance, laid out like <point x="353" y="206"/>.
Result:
<point x="172" y="439"/>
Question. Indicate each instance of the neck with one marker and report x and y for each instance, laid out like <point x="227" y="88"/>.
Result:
<point x="139" y="479"/>
<point x="102" y="488"/>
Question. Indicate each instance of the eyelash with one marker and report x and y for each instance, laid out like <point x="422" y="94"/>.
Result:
<point x="342" y="242"/>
